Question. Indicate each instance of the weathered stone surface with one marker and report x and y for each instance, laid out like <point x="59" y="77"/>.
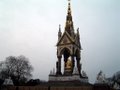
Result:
<point x="68" y="78"/>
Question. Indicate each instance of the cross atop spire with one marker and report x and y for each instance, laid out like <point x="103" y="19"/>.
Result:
<point x="69" y="23"/>
<point x="69" y="7"/>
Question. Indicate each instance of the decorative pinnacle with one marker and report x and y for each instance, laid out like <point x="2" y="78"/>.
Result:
<point x="69" y="22"/>
<point x="59" y="28"/>
<point x="69" y="0"/>
<point x="69" y="7"/>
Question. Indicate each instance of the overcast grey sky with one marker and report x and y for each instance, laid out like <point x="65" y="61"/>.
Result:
<point x="29" y="28"/>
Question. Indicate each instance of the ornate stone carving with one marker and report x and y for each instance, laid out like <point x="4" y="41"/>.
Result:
<point x="68" y="50"/>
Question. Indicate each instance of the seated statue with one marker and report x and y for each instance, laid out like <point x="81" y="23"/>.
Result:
<point x="69" y="64"/>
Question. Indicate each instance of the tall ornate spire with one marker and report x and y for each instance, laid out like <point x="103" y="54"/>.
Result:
<point x="69" y="23"/>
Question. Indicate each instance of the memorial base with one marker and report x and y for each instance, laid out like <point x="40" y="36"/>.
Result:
<point x="63" y="78"/>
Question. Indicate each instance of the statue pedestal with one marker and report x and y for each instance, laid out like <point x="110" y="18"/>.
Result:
<point x="65" y="78"/>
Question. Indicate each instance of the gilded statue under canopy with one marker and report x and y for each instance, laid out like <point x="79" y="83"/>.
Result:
<point x="69" y="64"/>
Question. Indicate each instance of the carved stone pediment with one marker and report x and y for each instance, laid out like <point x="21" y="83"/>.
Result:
<point x="65" y="39"/>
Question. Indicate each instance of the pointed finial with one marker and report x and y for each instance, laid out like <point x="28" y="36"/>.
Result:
<point x="69" y="5"/>
<point x="77" y="30"/>
<point x="59" y="28"/>
<point x="59" y="32"/>
<point x="69" y="0"/>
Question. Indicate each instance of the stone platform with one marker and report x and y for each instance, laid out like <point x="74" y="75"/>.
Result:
<point x="63" y="78"/>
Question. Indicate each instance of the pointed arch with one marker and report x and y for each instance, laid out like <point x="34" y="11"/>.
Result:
<point x="65" y="50"/>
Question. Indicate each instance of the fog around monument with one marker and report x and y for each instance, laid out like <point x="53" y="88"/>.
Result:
<point x="30" y="28"/>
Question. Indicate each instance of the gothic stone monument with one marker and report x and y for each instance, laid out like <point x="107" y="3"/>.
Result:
<point x="68" y="50"/>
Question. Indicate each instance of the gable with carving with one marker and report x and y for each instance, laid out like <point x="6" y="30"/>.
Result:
<point x="65" y="39"/>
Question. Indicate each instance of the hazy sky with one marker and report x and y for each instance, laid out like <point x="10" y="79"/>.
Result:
<point x="30" y="27"/>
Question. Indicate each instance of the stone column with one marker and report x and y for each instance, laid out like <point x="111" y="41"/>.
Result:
<point x="73" y="63"/>
<point x="59" y="65"/>
<point x="78" y="65"/>
<point x="57" y="68"/>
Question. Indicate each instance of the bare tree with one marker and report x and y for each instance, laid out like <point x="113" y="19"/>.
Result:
<point x="18" y="68"/>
